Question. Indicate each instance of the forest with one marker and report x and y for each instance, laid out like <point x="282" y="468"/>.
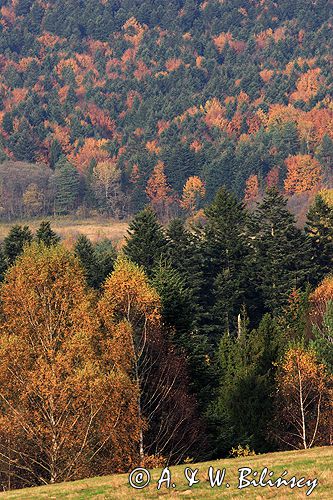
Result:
<point x="97" y="96"/>
<point x="191" y="342"/>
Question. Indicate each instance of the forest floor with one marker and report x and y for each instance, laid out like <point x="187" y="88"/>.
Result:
<point x="310" y="464"/>
<point x="70" y="228"/>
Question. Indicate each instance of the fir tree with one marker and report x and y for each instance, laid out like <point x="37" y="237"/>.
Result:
<point x="46" y="235"/>
<point x="67" y="187"/>
<point x="225" y="255"/>
<point x="243" y="406"/>
<point x="13" y="244"/>
<point x="319" y="226"/>
<point x="282" y="252"/>
<point x="145" y="243"/>
<point x="85" y="251"/>
<point x="106" y="256"/>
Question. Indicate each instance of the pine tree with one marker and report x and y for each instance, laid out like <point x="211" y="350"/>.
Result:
<point x="282" y="252"/>
<point x="86" y="254"/>
<point x="319" y="226"/>
<point x="145" y="243"/>
<point x="46" y="235"/>
<point x="13" y="244"/>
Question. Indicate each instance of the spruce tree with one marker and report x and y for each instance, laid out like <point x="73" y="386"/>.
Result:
<point x="185" y="255"/>
<point x="46" y="235"/>
<point x="282" y="252"/>
<point x="67" y="187"/>
<point x="85" y="251"/>
<point x="106" y="256"/>
<point x="319" y="226"/>
<point x="3" y="264"/>
<point x="13" y="244"/>
<point x="145" y="243"/>
<point x="242" y="410"/>
<point x="225" y="253"/>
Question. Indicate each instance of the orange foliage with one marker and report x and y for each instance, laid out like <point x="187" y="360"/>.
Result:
<point x="196" y="146"/>
<point x="158" y="190"/>
<point x="307" y="85"/>
<point x="62" y="134"/>
<point x="173" y="64"/>
<point x="92" y="149"/>
<point x="162" y="125"/>
<point x="100" y="118"/>
<point x="215" y="114"/>
<point x="251" y="189"/>
<point x="221" y="39"/>
<point x="304" y="400"/>
<point x="152" y="147"/>
<point x="141" y="70"/>
<point x="134" y="31"/>
<point x="266" y="74"/>
<point x="49" y="40"/>
<point x="193" y="190"/>
<point x="303" y="174"/>
<point x="319" y="298"/>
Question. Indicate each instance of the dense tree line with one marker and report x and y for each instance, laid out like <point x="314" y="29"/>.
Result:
<point x="195" y="338"/>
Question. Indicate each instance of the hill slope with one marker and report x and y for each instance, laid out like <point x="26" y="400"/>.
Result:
<point x="223" y="90"/>
<point x="311" y="464"/>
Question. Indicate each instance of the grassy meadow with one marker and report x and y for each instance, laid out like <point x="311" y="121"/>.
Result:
<point x="310" y="464"/>
<point x="69" y="228"/>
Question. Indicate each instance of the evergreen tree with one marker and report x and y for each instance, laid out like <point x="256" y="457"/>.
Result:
<point x="324" y="153"/>
<point x="319" y="226"/>
<point x="85" y="251"/>
<point x="243" y="407"/>
<point x="322" y="341"/>
<point x="282" y="252"/>
<point x="67" y="187"/>
<point x="225" y="255"/>
<point x="106" y="256"/>
<point x="3" y="264"/>
<point x="175" y="301"/>
<point x="13" y="244"/>
<point x="55" y="153"/>
<point x="185" y="255"/>
<point x="145" y="243"/>
<point x="46" y="235"/>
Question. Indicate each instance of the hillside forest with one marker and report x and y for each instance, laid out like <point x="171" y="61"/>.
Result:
<point x="106" y="105"/>
<point x="207" y="332"/>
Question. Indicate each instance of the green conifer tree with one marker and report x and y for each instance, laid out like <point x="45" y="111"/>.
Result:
<point x="85" y="251"/>
<point x="14" y="243"/>
<point x="46" y="235"/>
<point x="145" y="243"/>
<point x="319" y="226"/>
<point x="282" y="252"/>
<point x="67" y="186"/>
<point x="225" y="253"/>
<point x="241" y="412"/>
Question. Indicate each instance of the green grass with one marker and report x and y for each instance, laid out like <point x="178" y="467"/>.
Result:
<point x="310" y="464"/>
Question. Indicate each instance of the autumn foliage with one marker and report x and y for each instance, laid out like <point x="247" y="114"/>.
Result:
<point x="193" y="191"/>
<point x="304" y="173"/>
